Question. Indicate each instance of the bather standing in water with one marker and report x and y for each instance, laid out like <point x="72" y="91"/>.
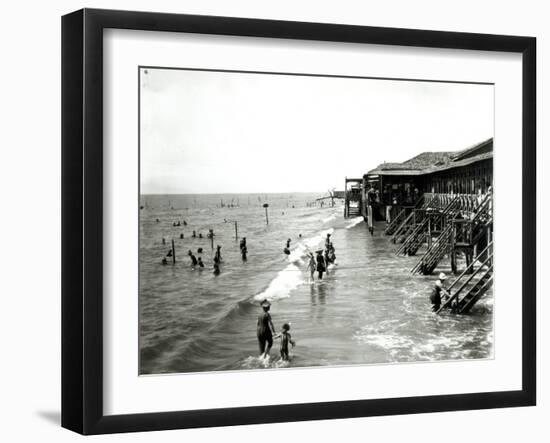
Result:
<point x="265" y="330"/>
<point x="286" y="250"/>
<point x="193" y="258"/>
<point x="312" y="265"/>
<point x="320" y="263"/>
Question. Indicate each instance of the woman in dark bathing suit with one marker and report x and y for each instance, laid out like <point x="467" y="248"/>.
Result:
<point x="265" y="330"/>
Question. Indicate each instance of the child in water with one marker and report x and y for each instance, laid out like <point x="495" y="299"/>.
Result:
<point x="312" y="265"/>
<point x="286" y="338"/>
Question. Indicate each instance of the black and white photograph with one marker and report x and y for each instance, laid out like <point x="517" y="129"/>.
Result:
<point x="292" y="220"/>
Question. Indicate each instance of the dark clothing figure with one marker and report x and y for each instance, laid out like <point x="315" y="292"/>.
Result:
<point x="194" y="234"/>
<point x="327" y="242"/>
<point x="265" y="330"/>
<point x="320" y="265"/>
<point x="201" y="264"/>
<point x="218" y="255"/>
<point x="193" y="259"/>
<point x="435" y="298"/>
<point x="244" y="249"/>
<point x="181" y="235"/>
<point x="286" y="338"/>
<point x="216" y="269"/>
<point x="164" y="261"/>
<point x="169" y="254"/>
<point x="286" y="250"/>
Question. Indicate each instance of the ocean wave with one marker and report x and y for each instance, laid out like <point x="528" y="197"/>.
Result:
<point x="281" y="286"/>
<point x="290" y="277"/>
<point x="354" y="222"/>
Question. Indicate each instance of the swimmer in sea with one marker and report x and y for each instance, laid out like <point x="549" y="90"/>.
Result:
<point x="216" y="269"/>
<point x="286" y="338"/>
<point x="194" y="234"/>
<point x="181" y="235"/>
<point x="244" y="249"/>
<point x="193" y="258"/>
<point x="265" y="330"/>
<point x="201" y="264"/>
<point x="311" y="266"/>
<point x="286" y="250"/>
<point x="164" y="261"/>
<point x="320" y="264"/>
<point x="218" y="255"/>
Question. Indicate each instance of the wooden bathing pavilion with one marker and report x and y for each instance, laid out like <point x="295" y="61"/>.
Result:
<point x="438" y="205"/>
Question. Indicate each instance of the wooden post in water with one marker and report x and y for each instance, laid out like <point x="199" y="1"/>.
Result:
<point x="453" y="249"/>
<point x="212" y="239"/>
<point x="236" y="231"/>
<point x="266" y="217"/>
<point x="173" y="253"/>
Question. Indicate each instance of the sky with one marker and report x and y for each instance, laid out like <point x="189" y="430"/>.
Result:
<point x="220" y="132"/>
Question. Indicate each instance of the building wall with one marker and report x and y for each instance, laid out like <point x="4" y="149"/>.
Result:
<point x="464" y="180"/>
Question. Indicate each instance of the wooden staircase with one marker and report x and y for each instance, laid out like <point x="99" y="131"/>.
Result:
<point x="402" y="216"/>
<point x="440" y="247"/>
<point x="471" y="284"/>
<point x="418" y="235"/>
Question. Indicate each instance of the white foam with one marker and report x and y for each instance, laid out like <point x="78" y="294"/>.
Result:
<point x="281" y="286"/>
<point x="354" y="222"/>
<point x="291" y="277"/>
<point x="329" y="218"/>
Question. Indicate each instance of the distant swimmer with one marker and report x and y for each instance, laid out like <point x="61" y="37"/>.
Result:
<point x="164" y="261"/>
<point x="193" y="258"/>
<point x="158" y="220"/>
<point x="265" y="330"/>
<point x="194" y="234"/>
<point x="312" y="265"/>
<point x="210" y="233"/>
<point x="286" y="250"/>
<point x="199" y="251"/>
<point x="201" y="264"/>
<point x="331" y="256"/>
<point x="216" y="269"/>
<point x="327" y="242"/>
<point x="163" y="241"/>
<point x="169" y="253"/>
<point x="181" y="235"/>
<point x="300" y="235"/>
<point x="244" y="249"/>
<point x="320" y="264"/>
<point x="184" y="223"/>
<point x="218" y="255"/>
<point x="200" y="234"/>
<point x="179" y="224"/>
<point x="286" y="338"/>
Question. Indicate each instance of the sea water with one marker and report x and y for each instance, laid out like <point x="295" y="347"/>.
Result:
<point x="367" y="309"/>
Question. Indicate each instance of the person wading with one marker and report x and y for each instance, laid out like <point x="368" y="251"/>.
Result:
<point x="320" y="264"/>
<point x="265" y="330"/>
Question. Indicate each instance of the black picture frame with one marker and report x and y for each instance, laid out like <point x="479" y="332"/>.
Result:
<point x="82" y="220"/>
